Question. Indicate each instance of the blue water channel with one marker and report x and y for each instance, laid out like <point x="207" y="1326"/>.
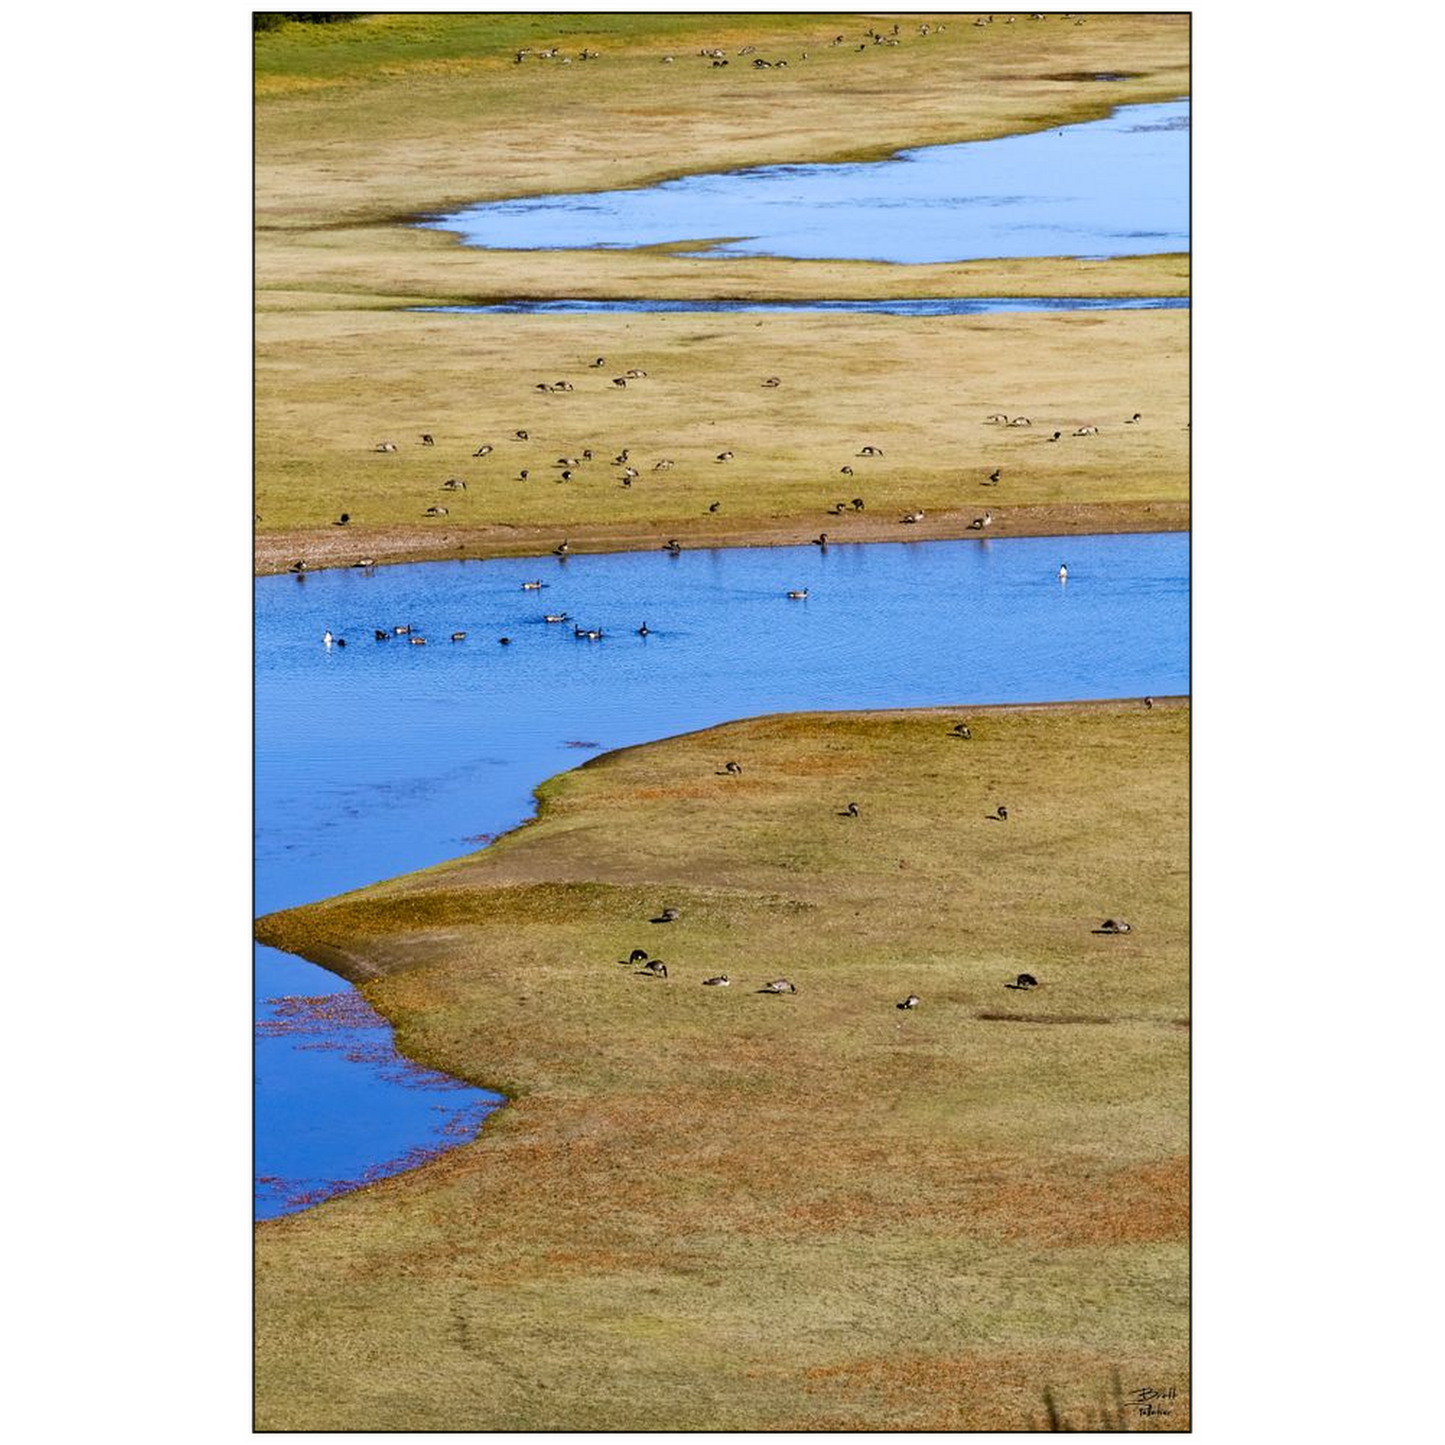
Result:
<point x="378" y="758"/>
<point x="916" y="306"/>
<point x="1112" y="187"/>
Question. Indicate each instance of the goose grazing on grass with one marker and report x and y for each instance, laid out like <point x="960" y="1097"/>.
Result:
<point x="523" y="475"/>
<point x="1021" y="421"/>
<point x="521" y="436"/>
<point x="912" y="1001"/>
<point x="911" y="517"/>
<point x="1148" y="702"/>
<point x="961" y="730"/>
<point x="668" y="915"/>
<point x="1000" y="815"/>
<point x="1087" y="431"/>
<point x="778" y="985"/>
<point x="734" y="768"/>
<point x="800" y="595"/>
<point x="871" y="452"/>
<point x="714" y="506"/>
<point x="653" y="968"/>
<point x="772" y="381"/>
<point x="482" y="450"/>
<point x="624" y="455"/>
<point x="851" y="811"/>
<point x="721" y="981"/>
<point x="638" y="955"/>
<point x="998" y="416"/>
<point x="1056" y="436"/>
<point x="993" y="477"/>
<point x="724" y="456"/>
<point x="635" y="373"/>
<point x="664" y="465"/>
<point x="1137" y="417"/>
<point x="857" y="504"/>
<point x="436" y="511"/>
<point x="454" y="484"/>
<point x="601" y="361"/>
<point x="385" y="447"/>
<point x="1024" y="980"/>
<point x="619" y="381"/>
<point x="427" y="440"/>
<point x="344" y="520"/>
<point x="1112" y="925"/>
<point x="845" y="471"/>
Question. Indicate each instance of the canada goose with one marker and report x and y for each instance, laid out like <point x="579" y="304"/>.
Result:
<point x="857" y="504"/>
<point x="521" y="436"/>
<point x="326" y="637"/>
<point x="635" y="373"/>
<point x="601" y="361"/>
<point x="672" y="545"/>
<point x="851" y="811"/>
<point x="911" y="517"/>
<point x="482" y="450"/>
<point x="845" y="471"/>
<point x="344" y="520"/>
<point x="541" y="386"/>
<point x="427" y="440"/>
<point x="1000" y="815"/>
<point x="578" y="631"/>
<point x="594" y="635"/>
<point x="778" y="985"/>
<point x="624" y="455"/>
<point x="586" y="454"/>
<point x="619" y="381"/>
<point x="664" y="464"/>
<point x="644" y="631"/>
<point x="800" y="594"/>
<point x="1138" y="416"/>
<point x="385" y="447"/>
<point x="994" y="475"/>
<point x="1056" y="436"/>
<point x="523" y="475"/>
<point x="724" y="456"/>
<point x="533" y="586"/>
<point x="380" y="636"/>
<point x="505" y="641"/>
<point x="1063" y="572"/>
<point x="638" y="955"/>
<point x="624" y="482"/>
<point x="654" y="967"/>
<point x="1112" y="925"/>
<point x="1021" y="421"/>
<point x="418" y="642"/>
<point x="562" y="548"/>
<point x="454" y="484"/>
<point x="459" y="637"/>
<point x="772" y="381"/>
<point x="1087" y="431"/>
<point x="436" y="511"/>
<point x="341" y="642"/>
<point x="714" y="506"/>
<point x="962" y="730"/>
<point x="871" y="452"/>
<point x="837" y="509"/>
<point x="630" y="472"/>
<point x="1148" y="702"/>
<point x="821" y="540"/>
<point x="1024" y="980"/>
<point x="566" y="475"/>
<point x="562" y="386"/>
<point x="997" y="417"/>
<point x="911" y="1001"/>
<point x="404" y="631"/>
<point x="668" y="915"/>
<point x="733" y="768"/>
<point x="977" y="525"/>
<point x="721" y="981"/>
<point x="555" y="617"/>
<point x="364" y="562"/>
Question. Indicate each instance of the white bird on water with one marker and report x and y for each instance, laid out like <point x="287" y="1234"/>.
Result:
<point x="1063" y="573"/>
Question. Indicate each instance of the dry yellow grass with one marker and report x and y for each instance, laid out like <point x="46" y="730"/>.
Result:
<point x="710" y="1209"/>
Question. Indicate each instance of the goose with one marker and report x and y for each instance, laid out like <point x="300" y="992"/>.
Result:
<point x="978" y="524"/>
<point x="562" y="548"/>
<point x="344" y="520"/>
<point x="326" y="637"/>
<point x="821" y="540"/>
<point x="404" y="631"/>
<point x="672" y="545"/>
<point x="1024" y="980"/>
<point x="734" y="768"/>
<point x="1063" y="572"/>
<point x="619" y="381"/>
<point x="568" y="461"/>
<point x="578" y="631"/>
<point x="871" y="452"/>
<point x="542" y="386"/>
<point x="624" y="481"/>
<point x="1087" y="431"/>
<point x="772" y="381"/>
<point x="562" y="386"/>
<point x="482" y="450"/>
<point x="668" y="915"/>
<point x="1021" y="421"/>
<point x="601" y="361"/>
<point x="638" y="955"/>
<point x="912" y="1001"/>
<point x="721" y="981"/>
<point x="635" y="373"/>
<point x="380" y="636"/>
<point x="778" y="985"/>
<point x="994" y="475"/>
<point x="714" y="506"/>
<point x="623" y="456"/>
<point x="595" y="635"/>
<point x="724" y="456"/>
<point x="801" y="593"/>
<point x="998" y="416"/>
<point x="845" y="471"/>
<point x="523" y="475"/>
<point x="586" y="454"/>
<point x="962" y="730"/>
<point x="630" y="472"/>
<point x="521" y="436"/>
<point x="644" y="631"/>
<point x="1113" y="925"/>
<point x="533" y="586"/>
<point x="837" y="509"/>
<point x="851" y="811"/>
<point x="454" y="484"/>
<point x="857" y="504"/>
<point x="1000" y="815"/>
<point x="436" y="512"/>
<point x="1056" y="436"/>
<point x="665" y="464"/>
<point x="385" y="447"/>
<point x="912" y="517"/>
<point x="555" y="617"/>
<point x="418" y="642"/>
<point x="1148" y="702"/>
<point x="459" y="637"/>
<point x="654" y="968"/>
<point x="505" y="641"/>
<point x="566" y="475"/>
<point x="427" y="440"/>
<point x="1138" y="416"/>
<point x="341" y="642"/>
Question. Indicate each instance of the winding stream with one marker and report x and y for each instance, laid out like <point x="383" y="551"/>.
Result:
<point x="379" y="758"/>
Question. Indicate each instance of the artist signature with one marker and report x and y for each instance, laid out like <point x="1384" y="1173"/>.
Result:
<point x="1152" y="1402"/>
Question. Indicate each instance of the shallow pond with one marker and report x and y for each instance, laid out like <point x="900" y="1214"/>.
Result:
<point x="1112" y="187"/>
<point x="379" y="758"/>
<point x="918" y="306"/>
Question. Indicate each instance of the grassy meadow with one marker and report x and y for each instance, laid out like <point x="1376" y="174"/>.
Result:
<point x="362" y="126"/>
<point x="708" y="1208"/>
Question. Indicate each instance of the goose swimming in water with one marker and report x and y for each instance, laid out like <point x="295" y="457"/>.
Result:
<point x="562" y="548"/>
<point x="402" y="631"/>
<point x="459" y="637"/>
<point x="672" y="545"/>
<point x="326" y="637"/>
<point x="644" y="631"/>
<point x="801" y="594"/>
<point x="1063" y="572"/>
<point x="380" y="636"/>
<point x="533" y="586"/>
<point x="418" y="642"/>
<point x="821" y="540"/>
<point x="555" y="617"/>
